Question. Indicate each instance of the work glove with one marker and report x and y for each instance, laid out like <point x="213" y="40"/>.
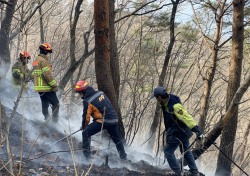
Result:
<point x="81" y="128"/>
<point x="198" y="132"/>
<point x="16" y="75"/>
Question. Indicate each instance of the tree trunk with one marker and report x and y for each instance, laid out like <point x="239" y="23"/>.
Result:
<point x="1" y="132"/>
<point x="73" y="63"/>
<point x="5" y="31"/>
<point x="208" y="80"/>
<point x="114" y="62"/>
<point x="114" y="58"/>
<point x="225" y="120"/>
<point x="162" y="77"/>
<point x="42" y="38"/>
<point x="152" y="134"/>
<point x="102" y="53"/>
<point x="72" y="69"/>
<point x="229" y="133"/>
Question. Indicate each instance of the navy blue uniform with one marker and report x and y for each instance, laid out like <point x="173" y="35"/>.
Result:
<point x="97" y="105"/>
<point x="178" y="123"/>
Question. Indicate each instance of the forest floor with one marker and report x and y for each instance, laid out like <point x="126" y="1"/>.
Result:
<point x="34" y="152"/>
<point x="40" y="156"/>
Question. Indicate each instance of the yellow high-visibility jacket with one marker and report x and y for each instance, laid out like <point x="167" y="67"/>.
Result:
<point x="42" y="74"/>
<point x="20" y="73"/>
<point x="177" y="120"/>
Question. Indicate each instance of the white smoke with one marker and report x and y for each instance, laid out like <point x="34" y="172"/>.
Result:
<point x="70" y="121"/>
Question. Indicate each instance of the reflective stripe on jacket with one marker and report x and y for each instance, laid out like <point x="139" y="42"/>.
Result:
<point x="20" y="73"/>
<point x="97" y="105"/>
<point x="43" y="79"/>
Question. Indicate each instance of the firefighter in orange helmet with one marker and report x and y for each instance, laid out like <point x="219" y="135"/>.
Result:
<point x="20" y="71"/>
<point x="97" y="105"/>
<point x="44" y="82"/>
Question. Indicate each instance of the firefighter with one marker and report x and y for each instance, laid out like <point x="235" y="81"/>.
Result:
<point x="179" y="125"/>
<point x="97" y="105"/>
<point x="44" y="83"/>
<point x="20" y="71"/>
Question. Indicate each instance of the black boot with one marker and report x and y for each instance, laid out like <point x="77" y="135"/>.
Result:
<point x="87" y="155"/>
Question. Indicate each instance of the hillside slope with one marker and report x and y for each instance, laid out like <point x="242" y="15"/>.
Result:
<point x="32" y="142"/>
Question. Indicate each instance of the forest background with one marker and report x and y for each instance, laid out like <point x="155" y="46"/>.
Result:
<point x="126" y="48"/>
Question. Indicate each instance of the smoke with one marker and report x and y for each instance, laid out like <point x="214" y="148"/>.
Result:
<point x="207" y="163"/>
<point x="4" y="70"/>
<point x="70" y="118"/>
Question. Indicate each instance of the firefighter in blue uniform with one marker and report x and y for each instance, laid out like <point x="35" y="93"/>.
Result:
<point x="97" y="105"/>
<point x="179" y="125"/>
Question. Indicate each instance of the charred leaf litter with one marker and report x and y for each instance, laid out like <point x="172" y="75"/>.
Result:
<point x="40" y="156"/>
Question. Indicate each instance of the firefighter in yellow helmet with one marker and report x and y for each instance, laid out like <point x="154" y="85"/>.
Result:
<point x="44" y="82"/>
<point x="20" y="71"/>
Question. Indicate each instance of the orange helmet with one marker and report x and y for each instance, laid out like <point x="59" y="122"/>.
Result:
<point x="24" y="54"/>
<point x="46" y="46"/>
<point x="81" y="85"/>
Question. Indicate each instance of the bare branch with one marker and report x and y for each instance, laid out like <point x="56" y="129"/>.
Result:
<point x="216" y="132"/>
<point x="140" y="8"/>
<point x="14" y="34"/>
<point x="198" y="24"/>
<point x="5" y="2"/>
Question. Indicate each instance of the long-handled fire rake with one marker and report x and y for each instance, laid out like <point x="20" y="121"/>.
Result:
<point x="66" y="137"/>
<point x="184" y="152"/>
<point x="228" y="157"/>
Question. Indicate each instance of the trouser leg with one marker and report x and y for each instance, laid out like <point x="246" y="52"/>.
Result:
<point x="90" y="130"/>
<point x="55" y="106"/>
<point x="52" y="99"/>
<point x="189" y="157"/>
<point x="171" y="146"/>
<point x="114" y="133"/>
<point x="45" y="105"/>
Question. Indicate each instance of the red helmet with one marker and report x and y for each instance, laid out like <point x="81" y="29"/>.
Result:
<point x="46" y="46"/>
<point x="81" y="85"/>
<point x="24" y="54"/>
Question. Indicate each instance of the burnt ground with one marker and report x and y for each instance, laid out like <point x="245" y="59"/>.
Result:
<point x="40" y="156"/>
